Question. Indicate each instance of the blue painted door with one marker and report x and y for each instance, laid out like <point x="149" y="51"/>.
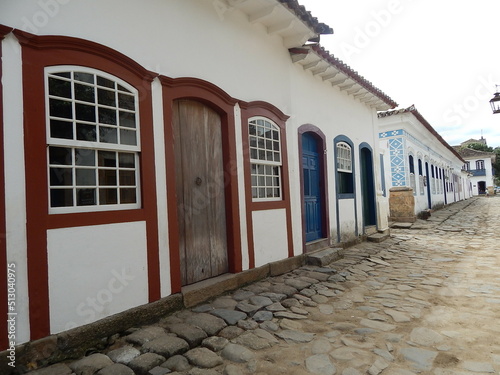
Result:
<point x="368" y="188"/>
<point x="312" y="193"/>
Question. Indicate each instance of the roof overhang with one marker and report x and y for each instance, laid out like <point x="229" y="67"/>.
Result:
<point x="333" y="71"/>
<point x="285" y="18"/>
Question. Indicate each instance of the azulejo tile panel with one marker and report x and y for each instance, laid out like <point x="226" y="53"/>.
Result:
<point x="391" y="133"/>
<point x="396" y="152"/>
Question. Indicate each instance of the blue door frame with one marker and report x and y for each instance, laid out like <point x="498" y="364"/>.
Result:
<point x="429" y="197"/>
<point x="311" y="173"/>
<point x="368" y="186"/>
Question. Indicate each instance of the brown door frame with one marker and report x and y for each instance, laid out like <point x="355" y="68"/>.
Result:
<point x="198" y="149"/>
<point x="215" y="98"/>
<point x="325" y="218"/>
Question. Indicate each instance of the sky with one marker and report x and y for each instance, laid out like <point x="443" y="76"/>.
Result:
<point x="443" y="56"/>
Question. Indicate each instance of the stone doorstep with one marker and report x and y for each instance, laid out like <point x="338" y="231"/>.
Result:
<point x="371" y="229"/>
<point x="322" y="243"/>
<point x="378" y="237"/>
<point x="324" y="257"/>
<point x="401" y="225"/>
<point x="403" y="219"/>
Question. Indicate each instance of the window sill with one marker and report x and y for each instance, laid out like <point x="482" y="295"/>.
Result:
<point x="346" y="196"/>
<point x="79" y="219"/>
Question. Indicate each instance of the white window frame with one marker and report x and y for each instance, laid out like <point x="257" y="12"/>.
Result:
<point x="93" y="145"/>
<point x="480" y="163"/>
<point x="264" y="166"/>
<point x="411" y="165"/>
<point x="344" y="157"/>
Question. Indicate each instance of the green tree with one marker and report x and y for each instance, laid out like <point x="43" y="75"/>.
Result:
<point x="480" y="147"/>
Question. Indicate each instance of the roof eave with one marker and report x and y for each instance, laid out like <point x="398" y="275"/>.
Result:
<point x="411" y="109"/>
<point x="286" y="18"/>
<point x="332" y="70"/>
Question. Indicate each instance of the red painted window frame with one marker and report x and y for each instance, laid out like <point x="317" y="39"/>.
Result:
<point x="38" y="53"/>
<point x="267" y="110"/>
<point x="4" y="342"/>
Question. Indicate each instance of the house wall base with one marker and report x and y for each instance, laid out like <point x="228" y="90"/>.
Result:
<point x="402" y="205"/>
<point x="75" y="343"/>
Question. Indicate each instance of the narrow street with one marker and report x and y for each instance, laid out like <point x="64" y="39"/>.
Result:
<point x="426" y="301"/>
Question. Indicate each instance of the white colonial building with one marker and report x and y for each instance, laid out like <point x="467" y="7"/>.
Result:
<point x="479" y="165"/>
<point x="417" y="157"/>
<point x="147" y="147"/>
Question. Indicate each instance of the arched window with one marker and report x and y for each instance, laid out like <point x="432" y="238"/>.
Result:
<point x="265" y="159"/>
<point x="421" y="177"/>
<point x="433" y="179"/>
<point x="479" y="164"/>
<point x="413" y="183"/>
<point x="93" y="140"/>
<point x="344" y="163"/>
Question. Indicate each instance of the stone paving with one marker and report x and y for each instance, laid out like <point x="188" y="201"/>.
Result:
<point x="425" y="301"/>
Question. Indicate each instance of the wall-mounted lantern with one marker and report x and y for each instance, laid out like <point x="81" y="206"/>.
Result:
<point x="495" y="101"/>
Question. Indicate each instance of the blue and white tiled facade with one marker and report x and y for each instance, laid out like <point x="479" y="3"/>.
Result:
<point x="396" y="142"/>
<point x="420" y="159"/>
<point x="398" y="168"/>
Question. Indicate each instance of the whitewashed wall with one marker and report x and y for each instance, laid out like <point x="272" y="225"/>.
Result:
<point x="340" y="114"/>
<point x="270" y="236"/>
<point x="422" y="144"/>
<point x="95" y="271"/>
<point x="15" y="205"/>
<point x="488" y="178"/>
<point x="176" y="38"/>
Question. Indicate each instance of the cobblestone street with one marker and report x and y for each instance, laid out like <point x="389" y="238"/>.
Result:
<point x="425" y="301"/>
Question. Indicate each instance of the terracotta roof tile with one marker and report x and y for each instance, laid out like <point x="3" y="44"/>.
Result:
<point x="348" y="71"/>
<point x="306" y="16"/>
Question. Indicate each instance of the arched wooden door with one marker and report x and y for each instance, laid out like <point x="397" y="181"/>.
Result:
<point x="311" y="169"/>
<point x="200" y="191"/>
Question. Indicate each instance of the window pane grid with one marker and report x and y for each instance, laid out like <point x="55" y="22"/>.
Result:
<point x="93" y="141"/>
<point x="86" y="108"/>
<point x="265" y="158"/>
<point x="72" y="184"/>
<point x="344" y="158"/>
<point x="266" y="181"/>
<point x="264" y="141"/>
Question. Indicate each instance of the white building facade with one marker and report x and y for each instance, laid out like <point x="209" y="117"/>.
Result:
<point x="416" y="156"/>
<point x="205" y="140"/>
<point x="479" y="165"/>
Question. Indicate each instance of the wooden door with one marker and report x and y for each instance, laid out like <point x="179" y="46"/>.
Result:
<point x="312" y="191"/>
<point x="200" y="191"/>
<point x="368" y="188"/>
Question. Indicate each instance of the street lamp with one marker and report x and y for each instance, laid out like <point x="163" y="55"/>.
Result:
<point x="495" y="101"/>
